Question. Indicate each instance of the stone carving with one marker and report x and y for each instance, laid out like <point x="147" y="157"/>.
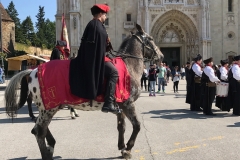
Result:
<point x="178" y="18"/>
<point x="153" y="16"/>
<point x="194" y="16"/>
<point x="198" y="2"/>
<point x="157" y="2"/>
<point x="170" y="36"/>
<point x="173" y="1"/>
<point x="231" y="19"/>
<point x="190" y="2"/>
<point x="74" y="22"/>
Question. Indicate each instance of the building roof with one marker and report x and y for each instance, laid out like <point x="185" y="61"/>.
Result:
<point x="26" y="57"/>
<point x="5" y="15"/>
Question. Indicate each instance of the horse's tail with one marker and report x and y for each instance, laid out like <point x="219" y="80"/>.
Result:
<point x="11" y="95"/>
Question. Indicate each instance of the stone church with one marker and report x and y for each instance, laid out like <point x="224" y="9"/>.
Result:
<point x="8" y="31"/>
<point x="181" y="28"/>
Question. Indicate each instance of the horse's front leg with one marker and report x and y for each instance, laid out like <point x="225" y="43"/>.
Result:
<point x="121" y="125"/>
<point x="41" y="132"/>
<point x="51" y="142"/>
<point x="130" y="113"/>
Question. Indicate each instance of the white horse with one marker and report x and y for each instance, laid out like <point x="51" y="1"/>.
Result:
<point x="135" y="49"/>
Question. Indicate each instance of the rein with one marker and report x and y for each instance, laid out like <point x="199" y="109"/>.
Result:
<point x="142" y="41"/>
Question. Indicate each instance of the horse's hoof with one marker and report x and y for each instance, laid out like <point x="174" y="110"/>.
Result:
<point x="73" y="117"/>
<point x="76" y="115"/>
<point x="50" y="149"/>
<point x="126" y="154"/>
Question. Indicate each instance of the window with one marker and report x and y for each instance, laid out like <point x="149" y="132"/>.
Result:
<point x="230" y="59"/>
<point x="129" y="18"/>
<point x="231" y="35"/>
<point x="106" y="22"/>
<point x="230" y="6"/>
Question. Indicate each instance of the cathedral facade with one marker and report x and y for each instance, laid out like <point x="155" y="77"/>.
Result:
<point x="181" y="28"/>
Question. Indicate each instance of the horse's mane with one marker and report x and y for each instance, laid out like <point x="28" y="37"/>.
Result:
<point x="124" y="47"/>
<point x="125" y="41"/>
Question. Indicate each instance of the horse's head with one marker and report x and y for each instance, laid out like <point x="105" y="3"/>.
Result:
<point x="150" y="51"/>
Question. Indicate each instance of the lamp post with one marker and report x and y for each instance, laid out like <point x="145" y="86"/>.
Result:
<point x="1" y="38"/>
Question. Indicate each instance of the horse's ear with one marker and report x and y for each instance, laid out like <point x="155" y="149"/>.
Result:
<point x="139" y="28"/>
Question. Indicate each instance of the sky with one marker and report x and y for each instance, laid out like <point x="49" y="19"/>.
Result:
<point x="30" y="8"/>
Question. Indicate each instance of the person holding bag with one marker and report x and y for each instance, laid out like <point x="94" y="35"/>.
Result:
<point x="144" y="78"/>
<point x="176" y="78"/>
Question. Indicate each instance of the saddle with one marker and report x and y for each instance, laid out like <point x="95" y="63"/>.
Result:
<point x="56" y="89"/>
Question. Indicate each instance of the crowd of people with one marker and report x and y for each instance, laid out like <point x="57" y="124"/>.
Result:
<point x="159" y="75"/>
<point x="203" y="82"/>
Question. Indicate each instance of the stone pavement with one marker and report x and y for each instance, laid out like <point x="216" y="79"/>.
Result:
<point x="169" y="131"/>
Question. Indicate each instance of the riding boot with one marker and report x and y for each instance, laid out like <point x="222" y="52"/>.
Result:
<point x="109" y="98"/>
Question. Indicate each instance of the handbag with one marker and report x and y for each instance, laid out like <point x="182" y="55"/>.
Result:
<point x="164" y="83"/>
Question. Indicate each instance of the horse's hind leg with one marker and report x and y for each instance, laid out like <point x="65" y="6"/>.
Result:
<point x="121" y="130"/>
<point x="29" y="103"/>
<point x="41" y="132"/>
<point x="130" y="113"/>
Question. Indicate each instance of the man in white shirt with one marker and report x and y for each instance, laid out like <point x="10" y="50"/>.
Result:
<point x="194" y="85"/>
<point x="222" y="74"/>
<point x="234" y="86"/>
<point x="208" y="83"/>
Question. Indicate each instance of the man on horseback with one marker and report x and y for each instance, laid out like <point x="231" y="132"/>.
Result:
<point x="59" y="52"/>
<point x="90" y="67"/>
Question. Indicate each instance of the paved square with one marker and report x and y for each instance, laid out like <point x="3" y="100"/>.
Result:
<point x="169" y="131"/>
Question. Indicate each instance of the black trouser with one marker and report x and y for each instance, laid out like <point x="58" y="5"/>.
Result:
<point x="175" y="85"/>
<point x="195" y="96"/>
<point x="110" y="73"/>
<point x="208" y="98"/>
<point x="144" y="80"/>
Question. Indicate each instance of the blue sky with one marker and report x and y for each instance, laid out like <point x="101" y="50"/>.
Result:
<point x="30" y="8"/>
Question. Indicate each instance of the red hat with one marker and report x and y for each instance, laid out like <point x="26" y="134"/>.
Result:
<point x="98" y="8"/>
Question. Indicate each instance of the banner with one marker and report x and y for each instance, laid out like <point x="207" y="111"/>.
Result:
<point x="64" y="34"/>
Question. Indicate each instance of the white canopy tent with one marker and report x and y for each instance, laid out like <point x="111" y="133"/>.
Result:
<point x="15" y="63"/>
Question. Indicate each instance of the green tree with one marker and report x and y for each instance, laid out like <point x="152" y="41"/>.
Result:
<point x="28" y="30"/>
<point x="40" y="18"/>
<point x="50" y="33"/>
<point x="14" y="15"/>
<point x="40" y="26"/>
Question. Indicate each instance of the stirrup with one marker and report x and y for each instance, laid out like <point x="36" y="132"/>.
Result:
<point x="119" y="111"/>
<point x="116" y="107"/>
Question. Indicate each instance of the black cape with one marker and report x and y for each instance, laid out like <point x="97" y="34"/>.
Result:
<point x="86" y="73"/>
<point x="234" y="93"/>
<point x="193" y="92"/>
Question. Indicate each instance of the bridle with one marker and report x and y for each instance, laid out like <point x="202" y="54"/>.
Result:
<point x="145" y="44"/>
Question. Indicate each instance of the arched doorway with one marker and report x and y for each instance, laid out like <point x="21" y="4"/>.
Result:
<point x="177" y="37"/>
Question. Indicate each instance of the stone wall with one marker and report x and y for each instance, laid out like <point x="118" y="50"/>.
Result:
<point x="8" y="29"/>
<point x="224" y="29"/>
<point x="32" y="49"/>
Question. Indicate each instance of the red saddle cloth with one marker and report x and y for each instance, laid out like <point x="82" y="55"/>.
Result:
<point x="53" y="79"/>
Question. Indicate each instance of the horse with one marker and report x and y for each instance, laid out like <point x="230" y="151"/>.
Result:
<point x="134" y="50"/>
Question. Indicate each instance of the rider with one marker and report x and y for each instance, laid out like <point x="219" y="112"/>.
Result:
<point x="90" y="67"/>
<point x="59" y="52"/>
